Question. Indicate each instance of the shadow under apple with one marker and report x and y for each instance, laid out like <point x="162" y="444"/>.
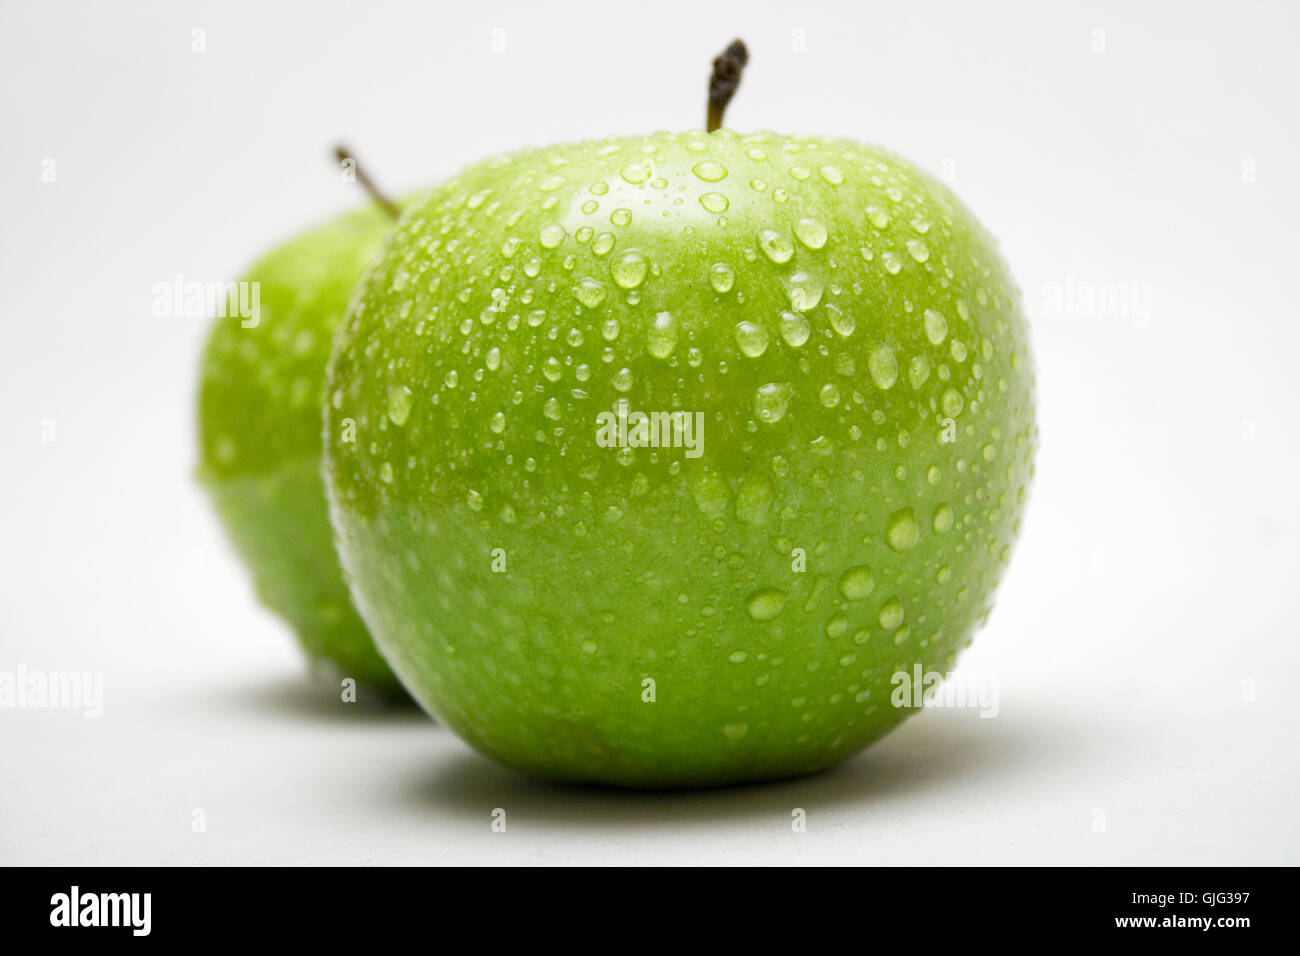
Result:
<point x="932" y="751"/>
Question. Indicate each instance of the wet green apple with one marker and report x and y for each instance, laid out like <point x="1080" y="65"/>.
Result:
<point x="836" y="371"/>
<point x="260" y="397"/>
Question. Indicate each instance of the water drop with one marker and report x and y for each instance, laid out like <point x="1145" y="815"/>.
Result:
<point x="771" y="401"/>
<point x="805" y="291"/>
<point x="936" y="327"/>
<point x="794" y="329"/>
<point x="714" y="202"/>
<point x="841" y="321"/>
<point x="765" y="604"/>
<point x="551" y="236"/>
<point x="711" y="495"/>
<point x="722" y="277"/>
<point x="637" y="172"/>
<point x="629" y="269"/>
<point x="710" y="171"/>
<point x="590" y="292"/>
<point x="811" y="233"/>
<point x="857" y="582"/>
<point x="735" y="730"/>
<point x="399" y="404"/>
<point x="751" y="338"/>
<point x="775" y="246"/>
<point x="942" y="518"/>
<point x="661" y="339"/>
<point x="754" y="499"/>
<point x="883" y="366"/>
<point x="891" y="615"/>
<point x="902" y="532"/>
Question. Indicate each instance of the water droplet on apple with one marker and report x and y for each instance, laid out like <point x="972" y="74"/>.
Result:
<point x="637" y="172"/>
<point x="629" y="269"/>
<point x="590" y="292"/>
<point x="942" y="518"/>
<point x="661" y="338"/>
<point x="843" y="323"/>
<point x="399" y="404"/>
<point x="811" y="233"/>
<point x="754" y="499"/>
<point x="771" y="401"/>
<point x="710" y="171"/>
<point x="794" y="329"/>
<point x="857" y="582"/>
<point x="805" y="291"/>
<point x="891" y="615"/>
<point x="765" y="604"/>
<point x="936" y="327"/>
<point x="714" y="202"/>
<point x="711" y="495"/>
<point x="775" y="246"/>
<point x="722" y="277"/>
<point x="883" y="366"/>
<point x="551" y="236"/>
<point x="902" y="532"/>
<point x="735" y="730"/>
<point x="751" y="338"/>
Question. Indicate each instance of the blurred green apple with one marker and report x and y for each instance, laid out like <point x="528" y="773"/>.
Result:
<point x="260" y="397"/>
<point x="841" y="431"/>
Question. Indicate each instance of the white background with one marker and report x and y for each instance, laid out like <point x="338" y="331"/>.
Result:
<point x="1156" y="575"/>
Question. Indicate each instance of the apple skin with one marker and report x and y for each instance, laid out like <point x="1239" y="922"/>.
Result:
<point x="260" y="396"/>
<point x="528" y="295"/>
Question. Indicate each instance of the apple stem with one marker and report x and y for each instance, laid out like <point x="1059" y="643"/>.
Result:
<point x="725" y="80"/>
<point x="343" y="154"/>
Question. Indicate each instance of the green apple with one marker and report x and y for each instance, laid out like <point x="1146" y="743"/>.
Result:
<point x="832" y="323"/>
<point x="260" y="398"/>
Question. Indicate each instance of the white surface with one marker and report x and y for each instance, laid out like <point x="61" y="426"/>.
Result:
<point x="1158" y="566"/>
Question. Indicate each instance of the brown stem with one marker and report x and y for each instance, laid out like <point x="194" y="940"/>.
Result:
<point x="727" y="68"/>
<point x="343" y="154"/>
